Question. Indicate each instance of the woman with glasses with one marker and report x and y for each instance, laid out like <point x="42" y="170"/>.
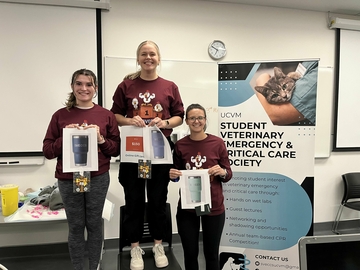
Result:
<point x="145" y="99"/>
<point x="201" y="150"/>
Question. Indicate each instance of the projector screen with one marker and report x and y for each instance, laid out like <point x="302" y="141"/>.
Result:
<point x="41" y="46"/>
<point x="347" y="115"/>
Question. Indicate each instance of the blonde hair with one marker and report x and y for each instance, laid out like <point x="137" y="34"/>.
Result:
<point x="71" y="101"/>
<point x="133" y="76"/>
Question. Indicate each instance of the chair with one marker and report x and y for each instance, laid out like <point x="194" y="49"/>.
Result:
<point x="149" y="263"/>
<point x="351" y="198"/>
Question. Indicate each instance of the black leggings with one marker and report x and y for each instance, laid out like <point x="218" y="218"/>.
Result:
<point x="189" y="228"/>
<point x="156" y="190"/>
<point x="85" y="210"/>
<point x="136" y="190"/>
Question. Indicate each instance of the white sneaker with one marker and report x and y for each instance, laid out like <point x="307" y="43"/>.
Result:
<point x="136" y="262"/>
<point x="159" y="256"/>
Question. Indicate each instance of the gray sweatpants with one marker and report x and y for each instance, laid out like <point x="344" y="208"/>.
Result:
<point x="84" y="210"/>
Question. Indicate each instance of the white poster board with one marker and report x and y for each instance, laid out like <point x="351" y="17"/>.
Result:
<point x="80" y="150"/>
<point x="195" y="188"/>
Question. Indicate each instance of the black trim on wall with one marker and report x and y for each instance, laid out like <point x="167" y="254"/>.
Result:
<point x="99" y="56"/>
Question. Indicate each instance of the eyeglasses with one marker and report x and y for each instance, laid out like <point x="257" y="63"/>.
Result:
<point x="199" y="118"/>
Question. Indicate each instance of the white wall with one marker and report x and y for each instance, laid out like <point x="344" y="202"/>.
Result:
<point x="183" y="30"/>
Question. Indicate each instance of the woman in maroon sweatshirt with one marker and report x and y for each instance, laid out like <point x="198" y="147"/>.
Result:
<point x="201" y="150"/>
<point x="83" y="209"/>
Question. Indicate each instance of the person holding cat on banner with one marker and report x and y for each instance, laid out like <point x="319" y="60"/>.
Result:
<point x="83" y="209"/>
<point x="215" y="158"/>
<point x="289" y="98"/>
<point x="145" y="99"/>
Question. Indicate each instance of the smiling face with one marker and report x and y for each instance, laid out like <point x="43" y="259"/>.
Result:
<point x="196" y="120"/>
<point x="84" y="90"/>
<point x="148" y="57"/>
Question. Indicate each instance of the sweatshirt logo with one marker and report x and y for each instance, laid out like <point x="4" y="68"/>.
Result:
<point x="146" y="110"/>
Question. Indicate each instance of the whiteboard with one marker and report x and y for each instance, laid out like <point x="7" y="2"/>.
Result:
<point x="198" y="83"/>
<point x="347" y="130"/>
<point x="41" y="47"/>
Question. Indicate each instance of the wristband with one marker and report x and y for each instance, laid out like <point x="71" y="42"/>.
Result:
<point x="224" y="176"/>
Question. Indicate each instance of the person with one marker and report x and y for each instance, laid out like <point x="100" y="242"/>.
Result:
<point x="302" y="105"/>
<point x="215" y="158"/>
<point x="145" y="99"/>
<point x="83" y="209"/>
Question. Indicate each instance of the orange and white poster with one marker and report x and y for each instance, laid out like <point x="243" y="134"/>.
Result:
<point x="145" y="143"/>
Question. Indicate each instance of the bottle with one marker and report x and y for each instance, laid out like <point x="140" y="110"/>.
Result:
<point x="195" y="188"/>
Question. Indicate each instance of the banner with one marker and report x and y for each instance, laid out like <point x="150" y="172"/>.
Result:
<point x="267" y="117"/>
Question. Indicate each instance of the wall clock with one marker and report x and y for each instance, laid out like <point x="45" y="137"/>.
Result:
<point x="217" y="49"/>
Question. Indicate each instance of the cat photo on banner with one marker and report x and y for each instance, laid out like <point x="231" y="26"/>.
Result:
<point x="287" y="91"/>
<point x="267" y="112"/>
